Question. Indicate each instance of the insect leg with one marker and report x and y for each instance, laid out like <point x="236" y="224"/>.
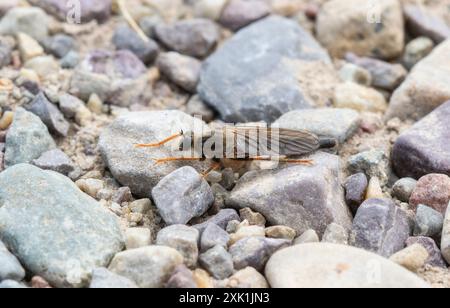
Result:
<point x="158" y="144"/>
<point x="171" y="159"/>
<point x="307" y="162"/>
<point x="213" y="167"/>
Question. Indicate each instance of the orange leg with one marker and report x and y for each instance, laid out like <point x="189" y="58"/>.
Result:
<point x="171" y="159"/>
<point x="213" y="167"/>
<point x="307" y="162"/>
<point x="158" y="144"/>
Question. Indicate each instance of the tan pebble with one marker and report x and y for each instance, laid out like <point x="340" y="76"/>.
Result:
<point x="6" y="120"/>
<point x="248" y="278"/>
<point x="250" y="231"/>
<point x="309" y="236"/>
<point x="281" y="232"/>
<point x="6" y="85"/>
<point x="83" y="116"/>
<point x="135" y="217"/>
<point x="252" y="217"/>
<point x="412" y="258"/>
<point x="141" y="206"/>
<point x="374" y="189"/>
<point x="30" y="75"/>
<point x="137" y="238"/>
<point x="360" y="98"/>
<point x="95" y="104"/>
<point x="203" y="279"/>
<point x="29" y="48"/>
<point x="90" y="186"/>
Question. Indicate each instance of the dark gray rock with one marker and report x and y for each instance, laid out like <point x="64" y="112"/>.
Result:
<point x="182" y="195"/>
<point x="182" y="70"/>
<point x="429" y="222"/>
<point x="435" y="258"/>
<point x="423" y="149"/>
<point x="182" y="278"/>
<point x="355" y="190"/>
<point x="55" y="160"/>
<point x="300" y="197"/>
<point x="240" y="13"/>
<point x="99" y="10"/>
<point x="385" y="75"/>
<point x="5" y="55"/>
<point x="403" y="189"/>
<point x="59" y="45"/>
<point x="421" y="22"/>
<point x="41" y="217"/>
<point x="213" y="236"/>
<point x="126" y="38"/>
<point x="221" y="219"/>
<point x="10" y="268"/>
<point x="218" y="262"/>
<point x="255" y="251"/>
<point x="27" y="139"/>
<point x="193" y="37"/>
<point x="381" y="227"/>
<point x="244" y="85"/>
<point x="104" y="279"/>
<point x="49" y="114"/>
<point x="148" y="24"/>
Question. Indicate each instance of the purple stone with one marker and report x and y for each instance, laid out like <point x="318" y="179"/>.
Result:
<point x="429" y="244"/>
<point x="99" y="10"/>
<point x="421" y="22"/>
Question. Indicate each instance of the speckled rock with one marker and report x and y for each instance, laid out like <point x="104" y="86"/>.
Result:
<point x="10" y="268"/>
<point x="355" y="190"/>
<point x="428" y="222"/>
<point x="435" y="257"/>
<point x="212" y="236"/>
<point x="335" y="234"/>
<point x="432" y="190"/>
<point x="381" y="227"/>
<point x="182" y="278"/>
<point x="403" y="189"/>
<point x="46" y="239"/>
<point x="217" y="261"/>
<point x="277" y="195"/>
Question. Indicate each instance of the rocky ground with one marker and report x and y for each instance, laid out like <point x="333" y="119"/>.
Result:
<point x="80" y="206"/>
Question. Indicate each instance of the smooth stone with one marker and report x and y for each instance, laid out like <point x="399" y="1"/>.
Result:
<point x="196" y="107"/>
<point x="421" y="22"/>
<point x="246" y="86"/>
<point x="354" y="96"/>
<point x="309" y="236"/>
<point x="182" y="70"/>
<point x="182" y="278"/>
<point x="374" y="190"/>
<point x="281" y="232"/>
<point x="380" y="227"/>
<point x="355" y="190"/>
<point x="137" y="238"/>
<point x="336" y="266"/>
<point x="47" y="239"/>
<point x="221" y="219"/>
<point x="247" y="278"/>
<point x="99" y="10"/>
<point x="255" y="251"/>
<point x="105" y="279"/>
<point x="417" y="50"/>
<point x="27" y="139"/>
<point x="182" y="238"/>
<point x="247" y="231"/>
<point x="445" y="242"/>
<point x="432" y="190"/>
<point x="23" y="19"/>
<point x="412" y="258"/>
<point x="29" y="48"/>
<point x="353" y="73"/>
<point x="218" y="262"/>
<point x="423" y="92"/>
<point x="335" y="234"/>
<point x="55" y="160"/>
<point x="133" y="167"/>
<point x="182" y="195"/>
<point x="428" y="222"/>
<point x="70" y="60"/>
<point x="5" y="6"/>
<point x="300" y="197"/>
<point x="148" y="267"/>
<point x="435" y="258"/>
<point x="211" y="9"/>
<point x="213" y="236"/>
<point x="423" y="149"/>
<point x="60" y="45"/>
<point x="240" y="13"/>
<point x="340" y="124"/>
<point x="404" y="188"/>
<point x="10" y="267"/>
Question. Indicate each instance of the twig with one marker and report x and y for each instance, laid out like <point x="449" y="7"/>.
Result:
<point x="133" y="24"/>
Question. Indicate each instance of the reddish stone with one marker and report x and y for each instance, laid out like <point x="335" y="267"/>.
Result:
<point x="38" y="282"/>
<point x="432" y="190"/>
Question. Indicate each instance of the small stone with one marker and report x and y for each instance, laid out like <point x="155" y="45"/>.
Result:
<point x="135" y="218"/>
<point x="11" y="284"/>
<point x="44" y="66"/>
<point x="193" y="37"/>
<point x="28" y="47"/>
<point x="55" y="160"/>
<point x="10" y="268"/>
<point x="213" y="236"/>
<point x="374" y="190"/>
<point x="211" y="9"/>
<point x="38" y="282"/>
<point x="221" y="219"/>
<point x="137" y="238"/>
<point x="27" y="139"/>
<point x="214" y="177"/>
<point x="360" y="98"/>
<point x="428" y="222"/>
<point x="141" y="206"/>
<point x="239" y="13"/>
<point x="228" y="178"/>
<point x="248" y="231"/>
<point x="203" y="279"/>
<point x="247" y="278"/>
<point x="126" y="38"/>
<point x="104" y="279"/>
<point x="381" y="227"/>
<point x="196" y="107"/>
<point x="70" y="60"/>
<point x="432" y="190"/>
<point x="255" y="251"/>
<point x="123" y="194"/>
<point x="182" y="195"/>
<point x="148" y="24"/>
<point x="182" y="238"/>
<point x="23" y="19"/>
<point x="421" y="22"/>
<point x="49" y="114"/>
<point x="59" y="45"/>
<point x="90" y="186"/>
<point x="5" y="55"/>
<point x="95" y="104"/>
<point x="355" y="190"/>
<point x="309" y="236"/>
<point x="6" y="120"/>
<point x="356" y="74"/>
<point x="148" y="267"/>
<point x="182" y="278"/>
<point x="218" y="262"/>
<point x="233" y="226"/>
<point x="404" y="188"/>
<point x="335" y="234"/>
<point x="373" y="163"/>
<point x="412" y="258"/>
<point x="445" y="243"/>
<point x="281" y="232"/>
<point x="182" y="70"/>
<point x="416" y="50"/>
<point x="252" y="217"/>
<point x="99" y="10"/>
<point x="435" y="257"/>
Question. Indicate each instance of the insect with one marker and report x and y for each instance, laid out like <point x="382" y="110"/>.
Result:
<point x="250" y="143"/>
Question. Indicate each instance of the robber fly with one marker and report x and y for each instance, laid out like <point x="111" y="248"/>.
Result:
<point x="250" y="143"/>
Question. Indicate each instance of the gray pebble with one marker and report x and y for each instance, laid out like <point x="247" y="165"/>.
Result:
<point x="404" y="188"/>
<point x="429" y="222"/>
<point x="104" y="279"/>
<point x="213" y="236"/>
<point x="218" y="262"/>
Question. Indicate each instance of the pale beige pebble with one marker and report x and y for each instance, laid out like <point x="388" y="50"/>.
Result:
<point x="282" y="232"/>
<point x="140" y="206"/>
<point x="350" y="72"/>
<point x="247" y="278"/>
<point x="95" y="104"/>
<point x="137" y="238"/>
<point x="374" y="189"/>
<point x="115" y="208"/>
<point x="83" y="116"/>
<point x="44" y="66"/>
<point x="360" y="98"/>
<point x="153" y="75"/>
<point x="309" y="236"/>
<point x="135" y="218"/>
<point x="203" y="279"/>
<point x="90" y="186"/>
<point x="211" y="9"/>
<point x="243" y="232"/>
<point x="30" y="75"/>
<point x="6" y="120"/>
<point x="412" y="258"/>
<point x="252" y="217"/>
<point x="286" y="7"/>
<point x="29" y="48"/>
